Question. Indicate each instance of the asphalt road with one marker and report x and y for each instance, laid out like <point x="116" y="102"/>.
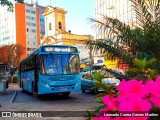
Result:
<point x="76" y="100"/>
<point x="57" y="107"/>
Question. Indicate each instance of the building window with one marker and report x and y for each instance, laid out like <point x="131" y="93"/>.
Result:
<point x="41" y="20"/>
<point x="42" y="32"/>
<point x="31" y="43"/>
<point x="30" y="37"/>
<point x="27" y="23"/>
<point x="28" y="49"/>
<point x="28" y="11"/>
<point x="33" y="18"/>
<point x="27" y="17"/>
<point x="33" y="24"/>
<point x="60" y="25"/>
<point x="31" y="49"/>
<point x="33" y="12"/>
<point x="27" y="30"/>
<point x="33" y="30"/>
<point x="50" y="27"/>
<point x="33" y="37"/>
<point x="34" y="43"/>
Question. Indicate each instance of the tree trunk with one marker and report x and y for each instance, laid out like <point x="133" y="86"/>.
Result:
<point x="12" y="74"/>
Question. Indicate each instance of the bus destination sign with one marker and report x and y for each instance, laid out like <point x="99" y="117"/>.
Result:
<point x="59" y="49"/>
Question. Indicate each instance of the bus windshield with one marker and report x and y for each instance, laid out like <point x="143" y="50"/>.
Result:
<point x="60" y="64"/>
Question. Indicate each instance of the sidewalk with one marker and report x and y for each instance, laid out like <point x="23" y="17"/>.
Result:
<point x="10" y="92"/>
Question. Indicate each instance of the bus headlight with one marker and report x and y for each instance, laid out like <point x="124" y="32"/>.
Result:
<point x="45" y="83"/>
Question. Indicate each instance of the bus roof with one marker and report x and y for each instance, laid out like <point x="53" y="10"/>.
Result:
<point x="39" y="49"/>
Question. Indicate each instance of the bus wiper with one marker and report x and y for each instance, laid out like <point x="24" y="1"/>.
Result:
<point x="52" y="57"/>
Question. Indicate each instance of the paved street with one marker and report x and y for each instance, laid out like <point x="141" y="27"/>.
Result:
<point x="24" y="101"/>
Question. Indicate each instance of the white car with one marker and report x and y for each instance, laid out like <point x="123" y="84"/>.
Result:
<point x="88" y="84"/>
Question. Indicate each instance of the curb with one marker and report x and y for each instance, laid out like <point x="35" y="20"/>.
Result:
<point x="14" y="95"/>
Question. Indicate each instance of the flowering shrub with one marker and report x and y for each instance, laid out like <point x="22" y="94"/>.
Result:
<point x="134" y="96"/>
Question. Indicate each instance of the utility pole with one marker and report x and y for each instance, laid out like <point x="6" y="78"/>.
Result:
<point x="90" y="54"/>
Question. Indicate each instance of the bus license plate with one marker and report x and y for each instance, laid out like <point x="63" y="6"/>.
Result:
<point x="63" y="88"/>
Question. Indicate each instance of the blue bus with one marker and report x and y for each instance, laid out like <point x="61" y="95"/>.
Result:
<point x="50" y="69"/>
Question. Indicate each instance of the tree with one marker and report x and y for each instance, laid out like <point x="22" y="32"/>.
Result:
<point x="143" y="38"/>
<point x="143" y="70"/>
<point x="10" y="55"/>
<point x="9" y="3"/>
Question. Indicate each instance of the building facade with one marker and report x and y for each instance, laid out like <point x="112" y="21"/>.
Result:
<point x="42" y="21"/>
<point x="56" y="33"/>
<point x="119" y="9"/>
<point x="6" y="27"/>
<point x="24" y="25"/>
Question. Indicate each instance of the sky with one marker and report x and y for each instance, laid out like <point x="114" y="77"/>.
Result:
<point x="78" y="14"/>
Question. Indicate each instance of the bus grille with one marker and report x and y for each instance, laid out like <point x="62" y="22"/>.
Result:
<point x="62" y="85"/>
<point x="61" y="78"/>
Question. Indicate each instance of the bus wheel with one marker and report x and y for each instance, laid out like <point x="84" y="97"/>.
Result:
<point x="82" y="89"/>
<point x="34" y="93"/>
<point x="65" y="94"/>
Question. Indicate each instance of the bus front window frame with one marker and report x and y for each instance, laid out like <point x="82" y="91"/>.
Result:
<point x="64" y="64"/>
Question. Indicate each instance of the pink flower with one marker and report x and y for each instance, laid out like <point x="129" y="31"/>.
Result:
<point x="120" y="118"/>
<point x="130" y="118"/>
<point x="158" y="79"/>
<point x="148" y="89"/>
<point x="121" y="86"/>
<point x="110" y="102"/>
<point x="134" y="103"/>
<point x="157" y="87"/>
<point x="151" y="91"/>
<point x="95" y="118"/>
<point x="133" y="97"/>
<point x="135" y="87"/>
<point x="155" y="101"/>
<point x="101" y="118"/>
<point x="130" y="87"/>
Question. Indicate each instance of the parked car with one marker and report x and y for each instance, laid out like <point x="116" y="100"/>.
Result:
<point x="88" y="84"/>
<point x="118" y="73"/>
<point x="93" y="67"/>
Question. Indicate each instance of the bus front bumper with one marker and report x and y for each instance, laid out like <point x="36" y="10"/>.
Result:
<point x="46" y="89"/>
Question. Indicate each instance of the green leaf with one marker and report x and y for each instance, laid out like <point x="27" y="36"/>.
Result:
<point x="99" y="100"/>
<point x="97" y="76"/>
<point x="100" y="94"/>
<point x="150" y="62"/>
<point x="134" y="70"/>
<point x="140" y="63"/>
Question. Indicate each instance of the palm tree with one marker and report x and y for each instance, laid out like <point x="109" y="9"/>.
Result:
<point x="143" y="37"/>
